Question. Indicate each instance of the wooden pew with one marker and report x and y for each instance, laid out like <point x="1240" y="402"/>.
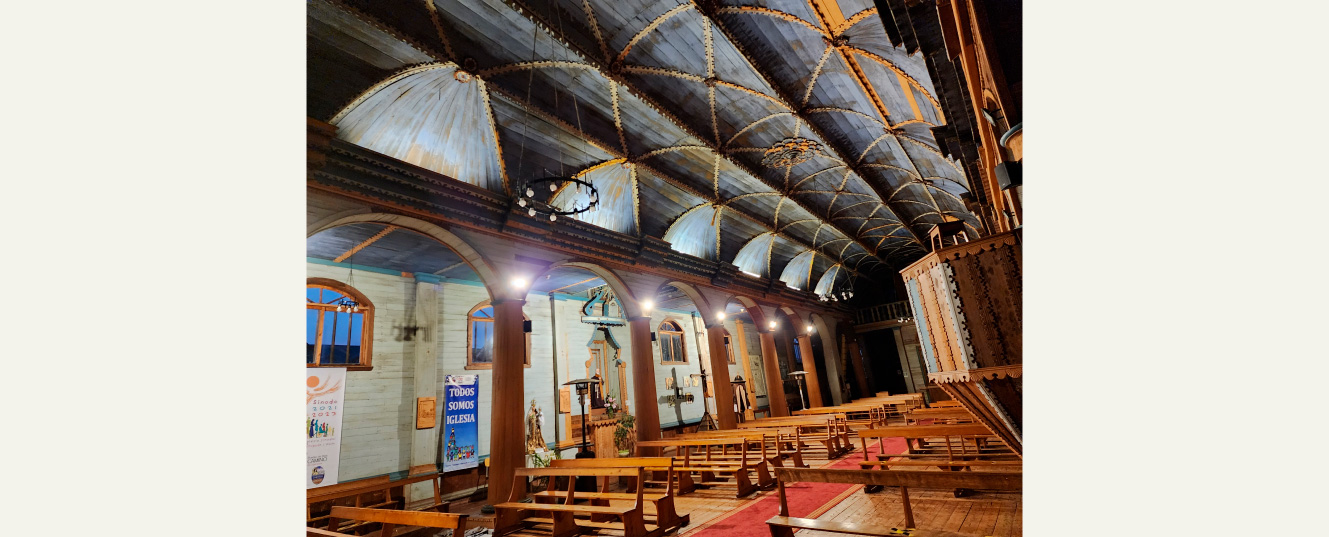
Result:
<point x="829" y="429"/>
<point x="772" y="443"/>
<point x="783" y="525"/>
<point x="513" y="515"/>
<point x="391" y="519"/>
<point x="940" y="414"/>
<point x="686" y="462"/>
<point x="316" y="532"/>
<point x="374" y="493"/>
<point x="666" y="514"/>
<point x="856" y="414"/>
<point x="919" y="432"/>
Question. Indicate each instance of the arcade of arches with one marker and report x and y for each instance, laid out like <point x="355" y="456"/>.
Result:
<point x="713" y="213"/>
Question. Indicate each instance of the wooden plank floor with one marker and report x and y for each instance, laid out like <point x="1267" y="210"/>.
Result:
<point x="983" y="514"/>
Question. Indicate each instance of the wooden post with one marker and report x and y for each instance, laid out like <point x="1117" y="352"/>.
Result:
<point x="644" y="403"/>
<point x="724" y="389"/>
<point x="812" y="380"/>
<point x="507" y="432"/>
<point x="424" y="442"/>
<point x="774" y="383"/>
<point x="860" y="372"/>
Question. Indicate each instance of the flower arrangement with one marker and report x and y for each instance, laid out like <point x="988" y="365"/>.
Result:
<point x="612" y="406"/>
<point x="623" y="433"/>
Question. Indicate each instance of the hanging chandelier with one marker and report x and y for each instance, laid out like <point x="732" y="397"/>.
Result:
<point x="790" y="152"/>
<point x="526" y="196"/>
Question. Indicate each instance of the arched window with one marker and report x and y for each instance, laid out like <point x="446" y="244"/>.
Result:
<point x="337" y="335"/>
<point x="671" y="343"/>
<point x="480" y="338"/>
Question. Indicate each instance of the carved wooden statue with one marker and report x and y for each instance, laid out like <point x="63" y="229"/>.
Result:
<point x="535" y="438"/>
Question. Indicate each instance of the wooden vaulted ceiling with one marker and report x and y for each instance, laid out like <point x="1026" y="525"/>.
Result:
<point x="670" y="105"/>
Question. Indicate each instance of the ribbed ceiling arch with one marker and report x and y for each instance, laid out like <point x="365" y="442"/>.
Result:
<point x="616" y="182"/>
<point x="829" y="279"/>
<point x="433" y="117"/>
<point x="755" y="256"/>
<point x="696" y="232"/>
<point x="799" y="270"/>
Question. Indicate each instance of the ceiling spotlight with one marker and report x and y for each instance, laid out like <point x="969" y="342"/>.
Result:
<point x="531" y="212"/>
<point x="521" y="202"/>
<point x="553" y="217"/>
<point x="519" y="283"/>
<point x="553" y="187"/>
<point x="530" y="192"/>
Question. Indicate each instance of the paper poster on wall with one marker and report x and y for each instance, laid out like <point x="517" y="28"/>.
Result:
<point x="325" y="389"/>
<point x="459" y="419"/>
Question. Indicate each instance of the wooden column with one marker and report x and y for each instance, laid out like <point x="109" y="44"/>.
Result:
<point x="742" y="358"/>
<point x="424" y="442"/>
<point x="644" y="403"/>
<point x="811" y="379"/>
<point x="507" y="432"/>
<point x="774" y="383"/>
<point x="719" y="370"/>
<point x="860" y="371"/>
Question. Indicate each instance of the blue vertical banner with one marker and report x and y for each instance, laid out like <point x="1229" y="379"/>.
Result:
<point x="461" y="437"/>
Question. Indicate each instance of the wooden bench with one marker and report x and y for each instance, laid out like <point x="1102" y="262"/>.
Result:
<point x="913" y="433"/>
<point x="513" y="515"/>
<point x="391" y="519"/>
<point x="769" y="438"/>
<point x="829" y="430"/>
<point x="374" y="493"/>
<point x="783" y="525"/>
<point x="666" y="513"/>
<point x="856" y="414"/>
<point x="956" y="414"/>
<point x="686" y="462"/>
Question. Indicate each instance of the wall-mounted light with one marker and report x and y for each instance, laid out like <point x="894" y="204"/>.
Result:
<point x="646" y="306"/>
<point x="719" y="315"/>
<point x="519" y="283"/>
<point x="809" y="329"/>
<point x="772" y="325"/>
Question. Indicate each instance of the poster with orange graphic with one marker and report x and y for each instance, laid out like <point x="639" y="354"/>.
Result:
<point x="325" y="390"/>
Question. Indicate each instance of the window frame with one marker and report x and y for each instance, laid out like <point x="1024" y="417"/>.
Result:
<point x="661" y="338"/>
<point x="470" y="337"/>
<point x="366" y="324"/>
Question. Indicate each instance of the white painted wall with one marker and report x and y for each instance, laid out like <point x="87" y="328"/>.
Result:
<point x="380" y="404"/>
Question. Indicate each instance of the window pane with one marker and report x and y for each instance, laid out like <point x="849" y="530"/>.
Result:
<point x="327" y="326"/>
<point x="343" y="329"/>
<point x="354" y="340"/>
<point x="486" y="312"/>
<point x="330" y="296"/>
<point x="678" y="348"/>
<point x="311" y="294"/>
<point x="311" y="334"/>
<point x="482" y="342"/>
<point x="666" y="351"/>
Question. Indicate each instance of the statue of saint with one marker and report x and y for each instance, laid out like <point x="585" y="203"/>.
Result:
<point x="535" y="438"/>
<point x="597" y="398"/>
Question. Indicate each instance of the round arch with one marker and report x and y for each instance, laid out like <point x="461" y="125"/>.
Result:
<point x="753" y="309"/>
<point x="703" y="307"/>
<point x="625" y="297"/>
<point x="468" y="254"/>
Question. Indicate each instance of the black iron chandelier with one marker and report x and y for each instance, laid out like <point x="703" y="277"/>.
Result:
<point x="527" y="196"/>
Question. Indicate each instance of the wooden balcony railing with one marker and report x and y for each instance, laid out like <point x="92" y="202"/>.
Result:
<point x="890" y="311"/>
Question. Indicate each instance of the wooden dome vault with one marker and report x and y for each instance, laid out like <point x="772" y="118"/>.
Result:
<point x="670" y="108"/>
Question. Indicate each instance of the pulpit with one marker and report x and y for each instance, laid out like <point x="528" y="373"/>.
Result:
<point x="966" y="299"/>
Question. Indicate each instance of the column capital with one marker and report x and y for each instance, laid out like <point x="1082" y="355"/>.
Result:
<point x="505" y="300"/>
<point x="639" y="318"/>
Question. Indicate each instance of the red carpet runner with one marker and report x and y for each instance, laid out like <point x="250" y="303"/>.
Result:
<point x="805" y="500"/>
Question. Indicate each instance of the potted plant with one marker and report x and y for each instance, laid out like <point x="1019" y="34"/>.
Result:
<point x="623" y="434"/>
<point x="611" y="406"/>
<point x="537" y="461"/>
